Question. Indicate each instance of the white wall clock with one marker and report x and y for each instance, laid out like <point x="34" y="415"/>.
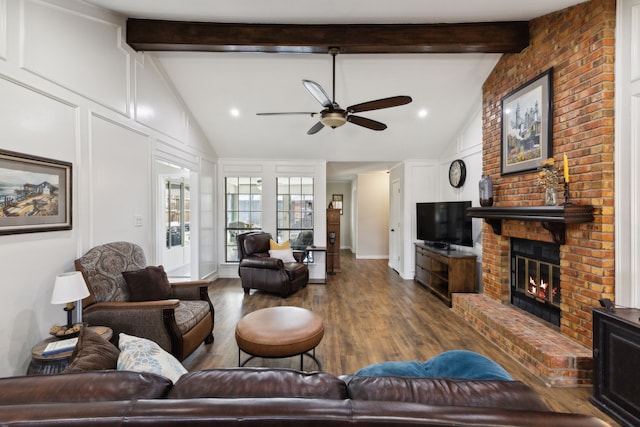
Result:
<point x="457" y="173"/>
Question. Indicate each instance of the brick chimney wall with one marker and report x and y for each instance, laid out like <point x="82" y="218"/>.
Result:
<point x="578" y="43"/>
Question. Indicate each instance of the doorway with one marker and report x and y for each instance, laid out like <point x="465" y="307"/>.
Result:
<point x="174" y="228"/>
<point x="395" y="233"/>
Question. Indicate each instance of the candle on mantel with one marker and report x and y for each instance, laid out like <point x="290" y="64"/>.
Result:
<point x="566" y="169"/>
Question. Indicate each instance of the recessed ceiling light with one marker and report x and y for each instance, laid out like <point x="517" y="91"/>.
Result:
<point x="422" y="113"/>
<point x="234" y="112"/>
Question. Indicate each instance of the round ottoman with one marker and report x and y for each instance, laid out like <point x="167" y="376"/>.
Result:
<point x="277" y="332"/>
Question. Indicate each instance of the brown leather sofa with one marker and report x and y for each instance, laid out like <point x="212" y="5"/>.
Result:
<point x="258" y="270"/>
<point x="272" y="397"/>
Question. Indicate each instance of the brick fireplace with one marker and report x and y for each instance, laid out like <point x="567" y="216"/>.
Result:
<point x="578" y="43"/>
<point x="535" y="279"/>
<point x="527" y="323"/>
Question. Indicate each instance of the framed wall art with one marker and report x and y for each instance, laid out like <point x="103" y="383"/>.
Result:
<point x="527" y="117"/>
<point x="35" y="194"/>
<point x="336" y="199"/>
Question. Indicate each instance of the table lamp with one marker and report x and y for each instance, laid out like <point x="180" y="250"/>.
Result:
<point x="68" y="289"/>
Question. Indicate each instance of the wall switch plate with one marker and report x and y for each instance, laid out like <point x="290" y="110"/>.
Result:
<point x="137" y="220"/>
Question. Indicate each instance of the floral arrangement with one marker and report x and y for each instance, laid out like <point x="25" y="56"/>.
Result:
<point x="548" y="176"/>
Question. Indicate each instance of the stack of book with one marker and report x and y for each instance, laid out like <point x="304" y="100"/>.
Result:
<point x="61" y="346"/>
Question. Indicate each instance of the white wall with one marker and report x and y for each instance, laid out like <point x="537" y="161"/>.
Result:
<point x="372" y="216"/>
<point x="468" y="147"/>
<point x="627" y="155"/>
<point x="428" y="181"/>
<point x="344" y="188"/>
<point x="208" y="249"/>
<point x="71" y="90"/>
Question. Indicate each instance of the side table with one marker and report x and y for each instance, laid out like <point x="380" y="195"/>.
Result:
<point x="55" y="363"/>
<point x="317" y="249"/>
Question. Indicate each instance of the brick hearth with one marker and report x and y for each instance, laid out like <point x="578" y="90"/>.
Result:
<point x="554" y="358"/>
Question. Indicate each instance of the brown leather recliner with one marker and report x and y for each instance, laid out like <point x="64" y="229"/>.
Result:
<point x="258" y="270"/>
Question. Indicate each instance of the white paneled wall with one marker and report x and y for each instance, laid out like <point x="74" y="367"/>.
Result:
<point x="3" y="29"/>
<point x="38" y="124"/>
<point x="68" y="87"/>
<point x="627" y="153"/>
<point x="427" y="181"/>
<point x="120" y="164"/>
<point x="468" y="147"/>
<point x="156" y="105"/>
<point x="78" y="52"/>
<point x="208" y="220"/>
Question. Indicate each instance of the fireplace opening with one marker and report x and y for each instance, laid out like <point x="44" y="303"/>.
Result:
<point x="535" y="278"/>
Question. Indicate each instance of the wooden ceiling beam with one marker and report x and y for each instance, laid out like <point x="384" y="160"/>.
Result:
<point x="485" y="37"/>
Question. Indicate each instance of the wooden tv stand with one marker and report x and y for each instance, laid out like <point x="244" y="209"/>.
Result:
<point x="445" y="272"/>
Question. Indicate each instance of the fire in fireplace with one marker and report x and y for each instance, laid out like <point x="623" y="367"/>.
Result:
<point x="535" y="278"/>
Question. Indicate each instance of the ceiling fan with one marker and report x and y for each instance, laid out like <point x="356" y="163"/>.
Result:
<point x="334" y="116"/>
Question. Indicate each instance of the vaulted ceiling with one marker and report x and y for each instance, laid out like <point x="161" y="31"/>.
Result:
<point x="214" y="76"/>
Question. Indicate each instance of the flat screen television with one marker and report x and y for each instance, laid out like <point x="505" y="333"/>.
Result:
<point x="442" y="224"/>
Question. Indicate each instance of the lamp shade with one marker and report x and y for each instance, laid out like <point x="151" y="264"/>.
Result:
<point x="69" y="287"/>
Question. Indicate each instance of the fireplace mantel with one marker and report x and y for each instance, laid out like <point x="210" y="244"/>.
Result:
<point x="553" y="218"/>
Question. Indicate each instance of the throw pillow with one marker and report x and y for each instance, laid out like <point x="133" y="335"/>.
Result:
<point x="286" y="255"/>
<point x="392" y="369"/>
<point x="92" y="353"/>
<point x="149" y="284"/>
<point x="279" y="246"/>
<point x="465" y="364"/>
<point x="459" y="364"/>
<point x="143" y="355"/>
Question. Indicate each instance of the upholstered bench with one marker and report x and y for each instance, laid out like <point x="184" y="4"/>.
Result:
<point x="277" y="332"/>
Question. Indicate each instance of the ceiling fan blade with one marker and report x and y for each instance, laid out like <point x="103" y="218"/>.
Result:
<point x="309" y="113"/>
<point x="318" y="93"/>
<point x="378" y="104"/>
<point x="315" y="128"/>
<point x="367" y="123"/>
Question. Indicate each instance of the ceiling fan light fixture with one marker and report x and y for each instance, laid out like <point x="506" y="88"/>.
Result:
<point x="333" y="119"/>
<point x="333" y="116"/>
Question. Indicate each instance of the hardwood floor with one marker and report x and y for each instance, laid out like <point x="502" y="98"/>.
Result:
<point x="370" y="315"/>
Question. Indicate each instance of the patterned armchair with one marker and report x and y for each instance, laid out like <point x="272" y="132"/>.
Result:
<point x="178" y="324"/>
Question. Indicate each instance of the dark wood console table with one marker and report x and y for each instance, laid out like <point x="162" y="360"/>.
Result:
<point x="616" y="351"/>
<point x="553" y="218"/>
<point x="445" y="272"/>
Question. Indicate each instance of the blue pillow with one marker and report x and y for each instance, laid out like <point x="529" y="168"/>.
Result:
<point x="392" y="369"/>
<point x="460" y="364"/>
<point x="464" y="364"/>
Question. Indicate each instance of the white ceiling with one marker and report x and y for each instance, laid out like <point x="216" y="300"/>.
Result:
<point x="448" y="86"/>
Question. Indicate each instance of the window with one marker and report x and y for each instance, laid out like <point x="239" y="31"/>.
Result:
<point x="295" y="211"/>
<point x="243" y="208"/>
<point x="177" y="213"/>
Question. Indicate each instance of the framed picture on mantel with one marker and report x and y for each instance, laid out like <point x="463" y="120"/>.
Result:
<point x="527" y="117"/>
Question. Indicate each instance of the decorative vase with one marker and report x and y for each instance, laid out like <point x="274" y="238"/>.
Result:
<point x="486" y="191"/>
<point x="550" y="196"/>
